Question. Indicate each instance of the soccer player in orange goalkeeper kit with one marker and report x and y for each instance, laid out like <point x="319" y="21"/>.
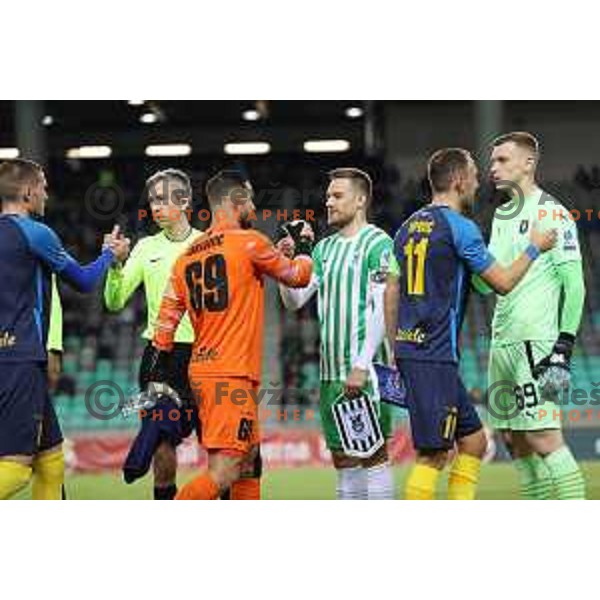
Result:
<point x="219" y="282"/>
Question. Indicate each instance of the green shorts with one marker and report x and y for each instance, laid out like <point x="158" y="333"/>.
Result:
<point x="514" y="400"/>
<point x="330" y="392"/>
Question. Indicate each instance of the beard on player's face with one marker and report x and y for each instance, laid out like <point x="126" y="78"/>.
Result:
<point x="340" y="219"/>
<point x="341" y="215"/>
<point x="467" y="203"/>
<point x="37" y="205"/>
<point x="244" y="215"/>
<point x="246" y="222"/>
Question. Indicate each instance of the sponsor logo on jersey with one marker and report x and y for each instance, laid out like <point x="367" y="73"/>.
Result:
<point x="204" y="354"/>
<point x="524" y="226"/>
<point x="7" y="340"/>
<point x="415" y="336"/>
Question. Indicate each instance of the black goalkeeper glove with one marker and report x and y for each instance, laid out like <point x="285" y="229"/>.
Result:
<point x="554" y="371"/>
<point x="153" y="380"/>
<point x="302" y="244"/>
<point x="155" y="368"/>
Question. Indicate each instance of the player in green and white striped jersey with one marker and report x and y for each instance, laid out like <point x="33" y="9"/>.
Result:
<point x="351" y="269"/>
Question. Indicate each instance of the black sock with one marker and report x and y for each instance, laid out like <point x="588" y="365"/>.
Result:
<point x="165" y="493"/>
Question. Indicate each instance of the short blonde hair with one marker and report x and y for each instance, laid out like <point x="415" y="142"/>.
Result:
<point x="174" y="175"/>
<point x="523" y="139"/>
<point x="361" y="178"/>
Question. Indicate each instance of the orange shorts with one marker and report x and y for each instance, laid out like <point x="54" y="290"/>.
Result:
<point x="228" y="411"/>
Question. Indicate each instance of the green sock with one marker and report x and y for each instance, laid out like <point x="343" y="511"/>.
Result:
<point x="568" y="479"/>
<point x="536" y="479"/>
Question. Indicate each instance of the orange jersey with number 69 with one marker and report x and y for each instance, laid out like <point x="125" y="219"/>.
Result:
<point x="219" y="282"/>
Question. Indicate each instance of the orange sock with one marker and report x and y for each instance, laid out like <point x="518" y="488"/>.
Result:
<point x="201" y="488"/>
<point x="246" y="489"/>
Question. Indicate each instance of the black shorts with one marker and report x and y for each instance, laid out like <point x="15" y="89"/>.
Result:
<point x="178" y="379"/>
<point x="28" y="422"/>
<point x="438" y="404"/>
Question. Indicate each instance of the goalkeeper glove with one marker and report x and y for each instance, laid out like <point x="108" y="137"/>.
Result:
<point x="155" y="367"/>
<point x="302" y="243"/>
<point x="553" y="372"/>
<point x="153" y="380"/>
<point x="150" y="397"/>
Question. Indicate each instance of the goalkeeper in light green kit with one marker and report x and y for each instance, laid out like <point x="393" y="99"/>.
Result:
<point x="534" y="327"/>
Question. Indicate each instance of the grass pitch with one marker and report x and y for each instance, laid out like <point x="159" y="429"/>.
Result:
<point x="498" y="482"/>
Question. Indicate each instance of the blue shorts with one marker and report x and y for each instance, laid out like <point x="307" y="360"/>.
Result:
<point x="28" y="423"/>
<point x="438" y="404"/>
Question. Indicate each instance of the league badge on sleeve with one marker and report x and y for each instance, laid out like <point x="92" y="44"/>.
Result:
<point x="570" y="240"/>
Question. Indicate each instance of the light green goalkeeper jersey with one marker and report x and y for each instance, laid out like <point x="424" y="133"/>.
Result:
<point x="532" y="310"/>
<point x="345" y="267"/>
<point x="150" y="263"/>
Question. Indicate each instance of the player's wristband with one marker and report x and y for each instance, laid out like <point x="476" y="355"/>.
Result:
<point x="532" y="251"/>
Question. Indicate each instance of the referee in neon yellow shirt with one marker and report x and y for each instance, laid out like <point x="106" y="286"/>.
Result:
<point x="150" y="263"/>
